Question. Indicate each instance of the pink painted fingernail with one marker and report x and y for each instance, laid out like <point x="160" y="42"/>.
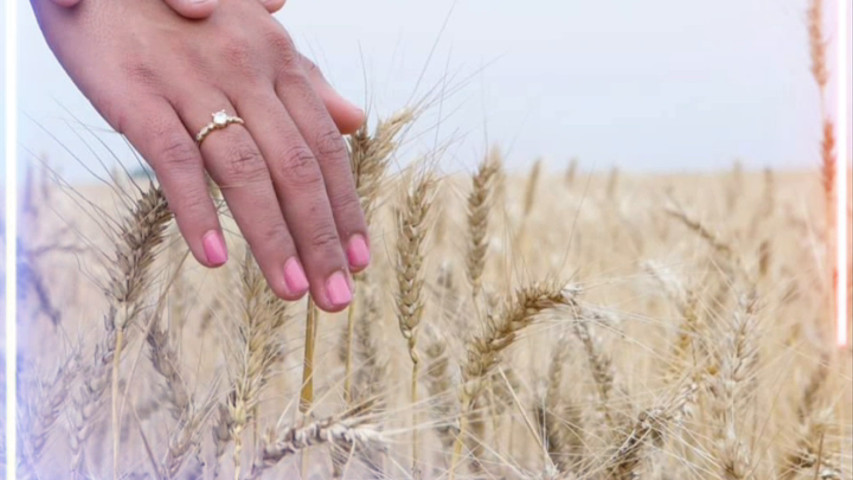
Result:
<point x="357" y="252"/>
<point x="294" y="277"/>
<point x="214" y="248"/>
<point x="338" y="290"/>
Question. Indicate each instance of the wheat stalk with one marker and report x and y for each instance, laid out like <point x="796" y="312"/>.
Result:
<point x="306" y="396"/>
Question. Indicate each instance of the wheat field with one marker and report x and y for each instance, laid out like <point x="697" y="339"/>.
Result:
<point x="555" y="323"/>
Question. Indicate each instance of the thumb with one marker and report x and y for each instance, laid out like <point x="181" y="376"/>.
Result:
<point x="346" y="115"/>
<point x="66" y="3"/>
<point x="194" y="9"/>
<point x="273" y="6"/>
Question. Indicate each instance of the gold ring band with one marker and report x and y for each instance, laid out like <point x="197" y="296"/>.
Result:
<point x="220" y="120"/>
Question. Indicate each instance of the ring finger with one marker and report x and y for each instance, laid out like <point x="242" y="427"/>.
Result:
<point x="234" y="162"/>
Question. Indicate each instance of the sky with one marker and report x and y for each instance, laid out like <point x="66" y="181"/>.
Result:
<point x="3" y="90"/>
<point x="658" y="85"/>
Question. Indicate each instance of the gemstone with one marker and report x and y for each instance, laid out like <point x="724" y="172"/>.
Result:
<point x="220" y="118"/>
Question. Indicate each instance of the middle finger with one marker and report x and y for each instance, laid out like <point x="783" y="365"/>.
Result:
<point x="301" y="190"/>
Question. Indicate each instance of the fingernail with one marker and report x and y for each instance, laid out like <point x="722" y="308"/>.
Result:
<point x="338" y="290"/>
<point x="214" y="248"/>
<point x="294" y="277"/>
<point x="357" y="252"/>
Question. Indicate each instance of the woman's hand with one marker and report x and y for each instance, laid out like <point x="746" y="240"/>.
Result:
<point x="157" y="77"/>
<point x="195" y="9"/>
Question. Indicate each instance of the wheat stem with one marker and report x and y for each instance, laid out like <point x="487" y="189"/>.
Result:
<point x="348" y="349"/>
<point x="306" y="396"/>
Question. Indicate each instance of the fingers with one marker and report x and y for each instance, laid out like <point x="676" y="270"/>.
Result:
<point x="163" y="141"/>
<point x="302" y="192"/>
<point x="234" y="162"/>
<point x="346" y="116"/>
<point x="194" y="9"/>
<point x="321" y="136"/>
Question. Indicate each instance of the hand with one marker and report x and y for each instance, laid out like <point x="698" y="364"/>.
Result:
<point x="195" y="9"/>
<point x="157" y="77"/>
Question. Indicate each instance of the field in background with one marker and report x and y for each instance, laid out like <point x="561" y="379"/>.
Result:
<point x="563" y="324"/>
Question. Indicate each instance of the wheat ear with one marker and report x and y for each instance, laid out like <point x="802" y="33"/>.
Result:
<point x="259" y="336"/>
<point x="485" y="349"/>
<point x="559" y="420"/>
<point x="530" y="189"/>
<point x="731" y="389"/>
<point x="601" y="366"/>
<point x="348" y="428"/>
<point x="820" y="73"/>
<point x="139" y="235"/>
<point x="412" y="225"/>
<point x="479" y="205"/>
<point x="369" y="158"/>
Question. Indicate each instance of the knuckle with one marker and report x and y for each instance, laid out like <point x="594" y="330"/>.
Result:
<point x="331" y="144"/>
<point x="293" y="78"/>
<point x="245" y="164"/>
<point x="281" y="43"/>
<point x="114" y="110"/>
<point x="324" y="238"/>
<point x="274" y="234"/>
<point x="308" y="65"/>
<point x="191" y="207"/>
<point x="238" y="51"/>
<point x="176" y="153"/>
<point x="140" y="73"/>
<point x="298" y="166"/>
<point x="346" y="202"/>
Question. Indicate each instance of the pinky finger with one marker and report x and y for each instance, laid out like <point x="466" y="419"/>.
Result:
<point x="161" y="138"/>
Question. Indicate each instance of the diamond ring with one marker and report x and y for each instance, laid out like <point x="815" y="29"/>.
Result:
<point x="220" y="120"/>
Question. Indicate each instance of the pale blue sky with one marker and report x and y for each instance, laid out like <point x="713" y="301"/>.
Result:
<point x="655" y="85"/>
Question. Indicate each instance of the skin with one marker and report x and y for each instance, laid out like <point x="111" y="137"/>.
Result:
<point x="157" y="77"/>
<point x="195" y="9"/>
